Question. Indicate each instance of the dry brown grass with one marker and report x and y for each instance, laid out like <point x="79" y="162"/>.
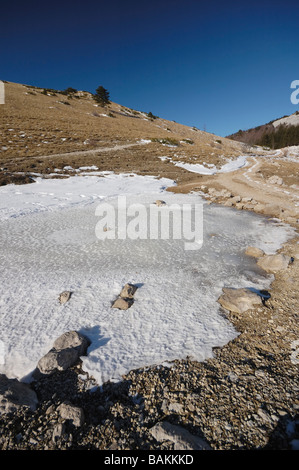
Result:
<point x="35" y="126"/>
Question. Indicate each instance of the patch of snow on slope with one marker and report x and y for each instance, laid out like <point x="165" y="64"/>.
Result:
<point x="231" y="165"/>
<point x="292" y="120"/>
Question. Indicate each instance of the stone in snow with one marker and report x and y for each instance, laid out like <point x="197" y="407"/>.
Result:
<point x="65" y="352"/>
<point x="254" y="252"/>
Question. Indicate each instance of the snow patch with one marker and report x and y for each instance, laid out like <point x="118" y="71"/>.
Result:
<point x="210" y="169"/>
<point x="48" y="241"/>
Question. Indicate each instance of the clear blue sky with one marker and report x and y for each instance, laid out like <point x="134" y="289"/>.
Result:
<point x="217" y="65"/>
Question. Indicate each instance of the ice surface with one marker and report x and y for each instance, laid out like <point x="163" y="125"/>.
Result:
<point x="49" y="244"/>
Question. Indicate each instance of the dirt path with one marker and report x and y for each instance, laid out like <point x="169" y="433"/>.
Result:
<point x="89" y="152"/>
<point x="246" y="182"/>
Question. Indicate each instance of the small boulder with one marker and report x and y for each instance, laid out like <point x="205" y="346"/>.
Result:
<point x="122" y="304"/>
<point x="228" y="203"/>
<point x="58" y="431"/>
<point x="160" y="203"/>
<point x="259" y="208"/>
<point x="275" y="180"/>
<point x="274" y="263"/>
<point x="66" y="351"/>
<point x="235" y="199"/>
<point x="254" y="252"/>
<point x="64" y="297"/>
<point x="128" y="291"/>
<point x="71" y="413"/>
<point x="246" y="200"/>
<point x="125" y="299"/>
<point x="239" y="300"/>
<point x="15" y="394"/>
<point x="182" y="439"/>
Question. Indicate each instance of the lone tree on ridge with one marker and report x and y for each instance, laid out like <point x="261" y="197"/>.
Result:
<point x="102" y="96"/>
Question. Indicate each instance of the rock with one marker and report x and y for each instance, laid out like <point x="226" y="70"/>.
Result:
<point x="260" y="208"/>
<point x="254" y="252"/>
<point x="228" y="203"/>
<point x="58" y="432"/>
<point x="160" y="203"/>
<point x="15" y="394"/>
<point x="292" y="212"/>
<point x="272" y="209"/>
<point x="175" y="407"/>
<point x="71" y="413"/>
<point x="128" y="291"/>
<point x="74" y="340"/>
<point x="183" y="439"/>
<point x="64" y="297"/>
<point x="275" y="180"/>
<point x="245" y="200"/>
<point x="122" y="304"/>
<point x="66" y="351"/>
<point x="239" y="300"/>
<point x="274" y="263"/>
<point x="235" y="199"/>
<point x="249" y="206"/>
<point x="125" y="299"/>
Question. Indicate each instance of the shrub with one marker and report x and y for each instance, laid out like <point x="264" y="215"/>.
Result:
<point x="102" y="96"/>
<point x="165" y="141"/>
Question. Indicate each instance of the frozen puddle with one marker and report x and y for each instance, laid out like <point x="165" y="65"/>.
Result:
<point x="53" y="247"/>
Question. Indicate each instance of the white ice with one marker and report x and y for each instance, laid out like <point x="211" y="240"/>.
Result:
<point x="48" y="245"/>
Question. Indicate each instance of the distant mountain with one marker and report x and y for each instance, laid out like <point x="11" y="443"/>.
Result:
<point x="276" y="134"/>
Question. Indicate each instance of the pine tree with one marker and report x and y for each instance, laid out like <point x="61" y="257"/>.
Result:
<point x="102" y="96"/>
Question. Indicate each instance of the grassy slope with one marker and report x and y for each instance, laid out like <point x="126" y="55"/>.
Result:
<point x="34" y="125"/>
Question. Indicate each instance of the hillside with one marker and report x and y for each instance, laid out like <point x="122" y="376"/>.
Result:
<point x="275" y="134"/>
<point x="38" y="123"/>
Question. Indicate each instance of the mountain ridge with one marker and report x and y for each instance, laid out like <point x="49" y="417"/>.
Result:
<point x="275" y="134"/>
